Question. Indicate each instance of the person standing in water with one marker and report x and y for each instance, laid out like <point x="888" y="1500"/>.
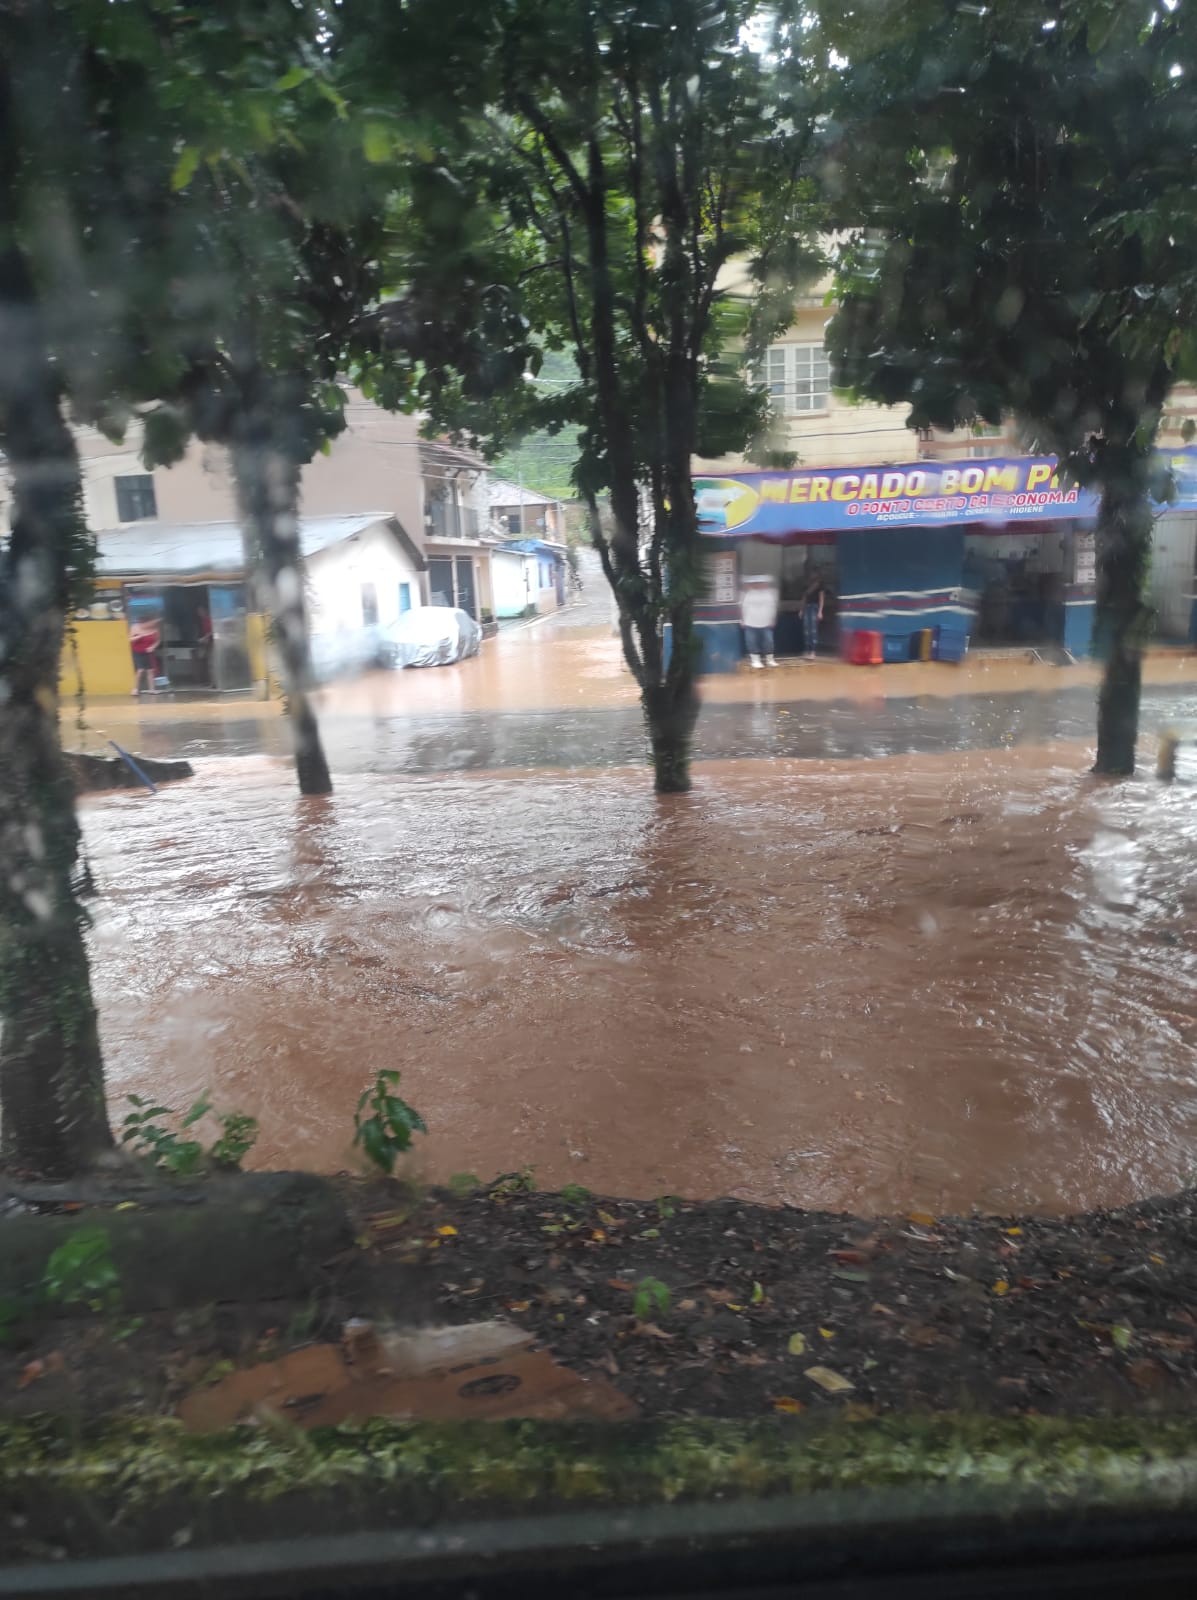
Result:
<point x="812" y="613"/>
<point x="758" y="618"/>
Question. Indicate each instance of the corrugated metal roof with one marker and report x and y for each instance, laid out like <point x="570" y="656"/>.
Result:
<point x="183" y="547"/>
<point x="502" y="492"/>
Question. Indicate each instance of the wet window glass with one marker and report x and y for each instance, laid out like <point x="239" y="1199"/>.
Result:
<point x="598" y="796"/>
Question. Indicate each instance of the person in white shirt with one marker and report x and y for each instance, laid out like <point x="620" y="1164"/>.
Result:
<point x="758" y="617"/>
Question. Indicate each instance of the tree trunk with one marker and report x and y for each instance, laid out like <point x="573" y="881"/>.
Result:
<point x="671" y="713"/>
<point x="52" y="1112"/>
<point x="1123" y="544"/>
<point x="268" y="496"/>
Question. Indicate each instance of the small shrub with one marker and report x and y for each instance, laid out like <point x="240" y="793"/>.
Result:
<point x="513" y="1183"/>
<point x="238" y="1136"/>
<point x="384" y="1122"/>
<point x="575" y="1195"/>
<point x="82" y="1272"/>
<point x="464" y="1183"/>
<point x="151" y="1140"/>
<point x="650" y="1294"/>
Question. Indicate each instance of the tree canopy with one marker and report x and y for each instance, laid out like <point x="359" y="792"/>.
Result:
<point x="1012" y="174"/>
<point x="646" y="169"/>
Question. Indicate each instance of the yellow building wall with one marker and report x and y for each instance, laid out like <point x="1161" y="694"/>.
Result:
<point x="257" y="629"/>
<point x="96" y="654"/>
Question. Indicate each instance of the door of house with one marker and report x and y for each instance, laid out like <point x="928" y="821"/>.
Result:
<point x="440" y="580"/>
<point x="230" y="646"/>
<point x="1173" y="584"/>
<point x="466" y="597"/>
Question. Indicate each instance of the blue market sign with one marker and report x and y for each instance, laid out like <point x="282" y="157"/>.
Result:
<point x="775" y="505"/>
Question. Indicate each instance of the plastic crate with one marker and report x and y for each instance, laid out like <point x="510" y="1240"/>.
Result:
<point x="951" y="644"/>
<point x="866" y="648"/>
<point x="896" y="647"/>
<point x="923" y="644"/>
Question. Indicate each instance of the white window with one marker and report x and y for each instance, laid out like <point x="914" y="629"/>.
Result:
<point x="797" y="377"/>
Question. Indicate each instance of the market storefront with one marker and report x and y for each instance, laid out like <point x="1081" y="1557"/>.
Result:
<point x="997" y="552"/>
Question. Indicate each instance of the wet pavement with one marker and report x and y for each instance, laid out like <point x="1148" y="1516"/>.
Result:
<point x="870" y="727"/>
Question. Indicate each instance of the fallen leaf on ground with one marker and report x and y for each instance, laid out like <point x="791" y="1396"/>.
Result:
<point x="882" y="1311"/>
<point x="1001" y="1287"/>
<point x="833" y="1382"/>
<point x="857" y="1411"/>
<point x="848" y="1258"/>
<point x="1145" y="1374"/>
<point x="787" y="1404"/>
<point x="923" y="1218"/>
<point x="31" y="1372"/>
<point x="796" y="1345"/>
<point x="1121" y="1335"/>
<point x="1014" y="1233"/>
<point x="826" y="1333"/>
<point x="1172" y="1341"/>
<point x="721" y="1297"/>
<point x="622" y="1285"/>
<point x="519" y="1305"/>
<point x="385" y="1220"/>
<point x="651" y="1331"/>
<point x="1159" y="1260"/>
<point x="757" y="1296"/>
<point x="923" y="1337"/>
<point x="447" y="1230"/>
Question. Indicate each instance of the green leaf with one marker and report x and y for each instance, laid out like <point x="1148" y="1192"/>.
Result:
<point x="292" y="79"/>
<point x="185" y="167"/>
<point x="376" y="1146"/>
<point x="376" y="142"/>
<point x="200" y="1109"/>
<point x="334" y="99"/>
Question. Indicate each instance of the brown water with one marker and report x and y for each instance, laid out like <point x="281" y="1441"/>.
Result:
<point x="929" y="982"/>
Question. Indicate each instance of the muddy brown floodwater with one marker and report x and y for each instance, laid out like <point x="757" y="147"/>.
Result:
<point x="930" y="982"/>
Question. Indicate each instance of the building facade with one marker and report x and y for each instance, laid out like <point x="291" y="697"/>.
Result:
<point x="423" y="534"/>
<point x="960" y="535"/>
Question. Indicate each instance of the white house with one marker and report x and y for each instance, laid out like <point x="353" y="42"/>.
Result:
<point x="191" y="578"/>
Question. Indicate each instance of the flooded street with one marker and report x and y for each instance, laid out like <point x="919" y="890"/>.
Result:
<point x="930" y="981"/>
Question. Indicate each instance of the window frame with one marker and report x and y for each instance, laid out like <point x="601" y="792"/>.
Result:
<point x="797" y="375"/>
<point x="137" y="497"/>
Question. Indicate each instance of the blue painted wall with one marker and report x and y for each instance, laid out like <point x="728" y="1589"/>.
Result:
<point x="1078" y="626"/>
<point x="720" y="645"/>
<point x="901" y="582"/>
